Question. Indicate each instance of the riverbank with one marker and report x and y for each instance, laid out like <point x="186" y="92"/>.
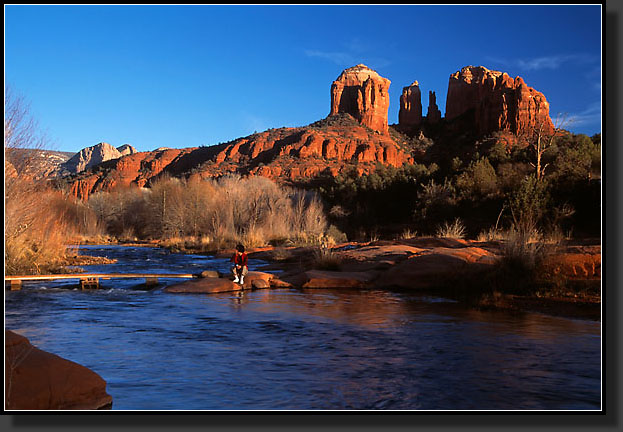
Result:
<point x="568" y="283"/>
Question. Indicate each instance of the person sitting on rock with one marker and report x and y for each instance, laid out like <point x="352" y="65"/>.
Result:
<point x="240" y="267"/>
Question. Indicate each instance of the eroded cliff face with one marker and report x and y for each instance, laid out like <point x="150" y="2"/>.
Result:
<point x="496" y="101"/>
<point x="362" y="93"/>
<point x="410" y="113"/>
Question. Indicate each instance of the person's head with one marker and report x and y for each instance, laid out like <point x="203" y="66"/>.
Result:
<point x="239" y="248"/>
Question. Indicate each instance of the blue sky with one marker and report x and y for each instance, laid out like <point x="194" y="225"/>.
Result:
<point x="184" y="76"/>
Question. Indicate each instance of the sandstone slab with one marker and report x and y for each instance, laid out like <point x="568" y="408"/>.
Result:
<point x="209" y="274"/>
<point x="256" y="279"/>
<point x="204" y="286"/>
<point x="38" y="380"/>
<point x="335" y="279"/>
<point x="575" y="265"/>
<point x="431" y="269"/>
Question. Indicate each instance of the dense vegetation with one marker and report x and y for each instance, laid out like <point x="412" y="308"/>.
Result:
<point x="216" y="213"/>
<point x="489" y="184"/>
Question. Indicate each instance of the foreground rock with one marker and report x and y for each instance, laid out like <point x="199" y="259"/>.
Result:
<point x="576" y="263"/>
<point x="431" y="268"/>
<point x="204" y="286"/>
<point x="334" y="279"/>
<point x="214" y="285"/>
<point x="38" y="380"/>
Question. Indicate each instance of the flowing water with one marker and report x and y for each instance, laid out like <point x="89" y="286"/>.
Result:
<point x="287" y="349"/>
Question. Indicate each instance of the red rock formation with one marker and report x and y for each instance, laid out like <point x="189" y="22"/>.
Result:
<point x="362" y="93"/>
<point x="576" y="263"/>
<point x="434" y="115"/>
<point x="38" y="380"/>
<point x="410" y="113"/>
<point x="132" y="170"/>
<point x="286" y="154"/>
<point x="498" y="101"/>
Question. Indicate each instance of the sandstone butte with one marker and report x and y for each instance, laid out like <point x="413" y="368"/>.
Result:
<point x="410" y="113"/>
<point x="355" y="134"/>
<point x="496" y="101"/>
<point x="364" y="94"/>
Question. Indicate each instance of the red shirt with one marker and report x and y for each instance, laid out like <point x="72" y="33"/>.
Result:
<point x="240" y="259"/>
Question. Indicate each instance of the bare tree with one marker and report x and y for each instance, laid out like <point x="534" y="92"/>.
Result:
<point x="543" y="138"/>
<point x="33" y="231"/>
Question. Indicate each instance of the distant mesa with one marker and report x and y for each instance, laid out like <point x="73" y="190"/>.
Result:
<point x="163" y="148"/>
<point x="362" y="93"/>
<point x="94" y="155"/>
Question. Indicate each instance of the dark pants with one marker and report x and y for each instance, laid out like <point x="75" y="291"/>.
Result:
<point x="239" y="271"/>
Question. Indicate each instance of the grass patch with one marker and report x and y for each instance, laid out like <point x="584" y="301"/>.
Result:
<point x="323" y="258"/>
<point x="455" y="230"/>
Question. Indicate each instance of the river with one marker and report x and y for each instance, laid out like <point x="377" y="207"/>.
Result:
<point x="291" y="349"/>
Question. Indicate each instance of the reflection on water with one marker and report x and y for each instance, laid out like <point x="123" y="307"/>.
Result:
<point x="305" y="349"/>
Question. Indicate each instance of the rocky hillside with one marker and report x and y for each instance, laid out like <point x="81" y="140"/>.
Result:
<point x="286" y="154"/>
<point x="34" y="163"/>
<point x="356" y="133"/>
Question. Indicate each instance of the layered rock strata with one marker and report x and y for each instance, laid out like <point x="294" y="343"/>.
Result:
<point x="496" y="101"/>
<point x="362" y="93"/>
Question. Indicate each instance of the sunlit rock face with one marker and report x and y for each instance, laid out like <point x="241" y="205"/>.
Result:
<point x="410" y="113"/>
<point x="362" y="93"/>
<point x="496" y="101"/>
<point x="90" y="156"/>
